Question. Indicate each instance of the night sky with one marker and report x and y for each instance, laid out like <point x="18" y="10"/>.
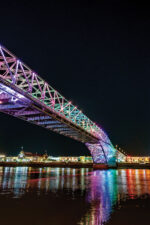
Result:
<point x="97" y="55"/>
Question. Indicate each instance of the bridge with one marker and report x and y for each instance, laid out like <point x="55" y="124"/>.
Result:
<point x="25" y="95"/>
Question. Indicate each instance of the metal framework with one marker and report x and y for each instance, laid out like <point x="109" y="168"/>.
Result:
<point x="24" y="94"/>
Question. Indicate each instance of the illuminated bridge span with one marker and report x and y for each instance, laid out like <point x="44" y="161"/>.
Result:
<point x="24" y="94"/>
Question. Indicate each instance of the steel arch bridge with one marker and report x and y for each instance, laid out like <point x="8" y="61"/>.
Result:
<point x="24" y="94"/>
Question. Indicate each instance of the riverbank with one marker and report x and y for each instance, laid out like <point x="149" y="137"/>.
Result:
<point x="48" y="164"/>
<point x="133" y="166"/>
<point x="75" y="165"/>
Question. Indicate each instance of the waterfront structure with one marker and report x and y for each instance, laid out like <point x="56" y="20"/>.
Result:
<point x="83" y="159"/>
<point x="44" y="158"/>
<point x="137" y="159"/>
<point x="52" y="159"/>
<point x="35" y="157"/>
<point x="31" y="157"/>
<point x="24" y="94"/>
<point x="11" y="159"/>
<point x="68" y="159"/>
<point x="2" y="157"/>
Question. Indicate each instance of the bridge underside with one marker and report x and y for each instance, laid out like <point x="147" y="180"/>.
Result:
<point x="17" y="105"/>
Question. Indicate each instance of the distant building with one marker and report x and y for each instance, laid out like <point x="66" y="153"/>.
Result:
<point x="75" y="159"/>
<point x="86" y="159"/>
<point x="11" y="159"/>
<point x="31" y="157"/>
<point x="52" y="158"/>
<point x="68" y="159"/>
<point x="2" y="157"/>
<point x="136" y="159"/>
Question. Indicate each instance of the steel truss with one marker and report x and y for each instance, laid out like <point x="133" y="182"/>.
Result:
<point x="24" y="94"/>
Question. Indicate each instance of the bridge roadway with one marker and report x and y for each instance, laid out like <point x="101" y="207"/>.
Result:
<point x="24" y="94"/>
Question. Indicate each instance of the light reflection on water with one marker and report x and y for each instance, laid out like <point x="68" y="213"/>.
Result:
<point x="103" y="188"/>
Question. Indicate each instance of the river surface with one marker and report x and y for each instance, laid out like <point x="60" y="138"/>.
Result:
<point x="64" y="196"/>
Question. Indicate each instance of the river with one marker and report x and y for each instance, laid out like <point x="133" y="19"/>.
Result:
<point x="67" y="196"/>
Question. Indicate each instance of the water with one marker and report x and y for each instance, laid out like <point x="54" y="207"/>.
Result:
<point x="64" y="196"/>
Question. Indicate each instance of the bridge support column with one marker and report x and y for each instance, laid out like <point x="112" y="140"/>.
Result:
<point x="103" y="154"/>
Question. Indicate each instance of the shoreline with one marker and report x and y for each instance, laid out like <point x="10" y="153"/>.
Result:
<point x="75" y="165"/>
<point x="133" y="166"/>
<point x="49" y="164"/>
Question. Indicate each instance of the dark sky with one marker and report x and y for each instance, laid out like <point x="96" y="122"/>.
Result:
<point x="97" y="55"/>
